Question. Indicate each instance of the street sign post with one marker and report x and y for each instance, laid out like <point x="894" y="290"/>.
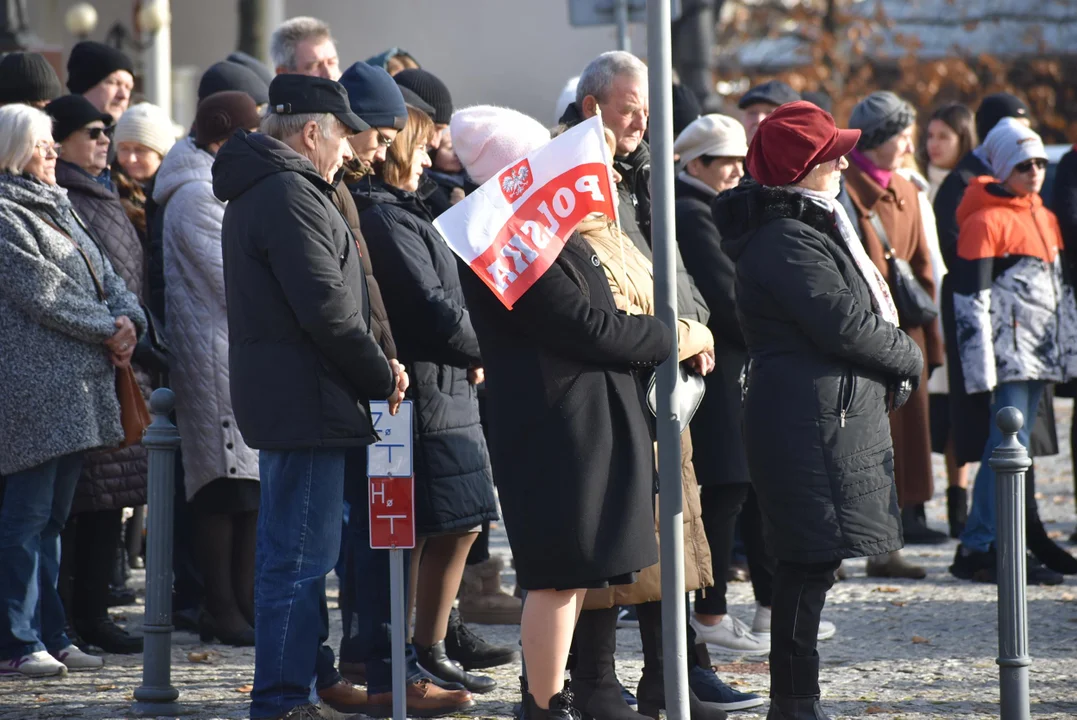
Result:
<point x="391" y="503"/>
<point x="587" y="13"/>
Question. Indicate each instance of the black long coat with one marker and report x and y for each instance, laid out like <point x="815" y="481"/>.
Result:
<point x="717" y="438"/>
<point x="420" y="285"/>
<point x="571" y="447"/>
<point x="815" y="417"/>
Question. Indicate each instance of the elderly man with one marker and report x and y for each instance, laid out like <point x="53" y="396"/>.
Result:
<point x="304" y="45"/>
<point x="303" y="364"/>
<point x="103" y="75"/>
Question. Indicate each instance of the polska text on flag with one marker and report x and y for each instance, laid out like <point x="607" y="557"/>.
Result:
<point x="511" y="229"/>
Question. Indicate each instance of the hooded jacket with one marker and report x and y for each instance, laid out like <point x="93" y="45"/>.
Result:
<point x="816" y="430"/>
<point x="1016" y="319"/>
<point x="302" y="360"/>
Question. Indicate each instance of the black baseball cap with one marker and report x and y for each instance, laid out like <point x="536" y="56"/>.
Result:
<point x="302" y="94"/>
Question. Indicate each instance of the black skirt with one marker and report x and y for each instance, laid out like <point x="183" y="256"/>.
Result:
<point x="228" y="496"/>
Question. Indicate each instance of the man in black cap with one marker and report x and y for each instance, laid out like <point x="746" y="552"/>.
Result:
<point x="103" y="75"/>
<point x="303" y="364"/>
<point x="761" y="101"/>
<point x="28" y="78"/>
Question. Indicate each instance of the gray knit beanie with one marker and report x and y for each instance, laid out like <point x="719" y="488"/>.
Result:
<point x="879" y="117"/>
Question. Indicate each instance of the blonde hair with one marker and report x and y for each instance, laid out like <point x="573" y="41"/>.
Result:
<point x="398" y="158"/>
<point x="21" y="128"/>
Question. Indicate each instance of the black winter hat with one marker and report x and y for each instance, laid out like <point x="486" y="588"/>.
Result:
<point x="774" y="92"/>
<point x="686" y="108"/>
<point x="91" y="62"/>
<point x="995" y="107"/>
<point x="73" y="112"/>
<point x="253" y="64"/>
<point x="27" y="78"/>
<point x="227" y="75"/>
<point x="427" y="86"/>
<point x="412" y="99"/>
<point x="374" y="96"/>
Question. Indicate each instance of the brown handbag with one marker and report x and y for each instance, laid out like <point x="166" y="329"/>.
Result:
<point x="134" y="415"/>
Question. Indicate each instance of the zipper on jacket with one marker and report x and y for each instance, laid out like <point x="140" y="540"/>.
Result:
<point x="1013" y="314"/>
<point x="844" y="406"/>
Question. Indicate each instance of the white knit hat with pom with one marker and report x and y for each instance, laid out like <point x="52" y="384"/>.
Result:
<point x="487" y="139"/>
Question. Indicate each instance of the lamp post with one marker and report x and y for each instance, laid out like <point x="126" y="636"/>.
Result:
<point x="15" y="34"/>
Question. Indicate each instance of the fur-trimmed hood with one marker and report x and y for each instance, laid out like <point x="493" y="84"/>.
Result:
<point x="742" y="211"/>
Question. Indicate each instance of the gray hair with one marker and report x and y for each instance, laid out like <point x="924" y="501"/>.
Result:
<point x="21" y="128"/>
<point x="282" y="127"/>
<point x="292" y="32"/>
<point x="597" y="78"/>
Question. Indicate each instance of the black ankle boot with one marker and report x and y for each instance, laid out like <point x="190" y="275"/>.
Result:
<point x="560" y="707"/>
<point x="1046" y="550"/>
<point x="915" y="529"/>
<point x="794" y="708"/>
<point x="435" y="661"/>
<point x="957" y="509"/>
<point x="594" y="679"/>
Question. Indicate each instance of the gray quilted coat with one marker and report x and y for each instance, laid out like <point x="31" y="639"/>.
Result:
<point x="196" y="316"/>
<point x="59" y="388"/>
<point x="110" y="479"/>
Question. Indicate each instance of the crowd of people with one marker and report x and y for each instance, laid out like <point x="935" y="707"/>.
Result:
<point x="855" y="299"/>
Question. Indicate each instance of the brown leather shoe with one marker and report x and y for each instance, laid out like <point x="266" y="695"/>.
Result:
<point x="344" y="697"/>
<point x="424" y="700"/>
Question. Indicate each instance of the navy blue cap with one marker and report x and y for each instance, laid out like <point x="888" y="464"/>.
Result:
<point x="302" y="94"/>
<point x="374" y="96"/>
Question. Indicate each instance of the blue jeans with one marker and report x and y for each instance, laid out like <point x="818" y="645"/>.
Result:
<point x="36" y="505"/>
<point x="365" y="593"/>
<point x="980" y="532"/>
<point x="298" y="544"/>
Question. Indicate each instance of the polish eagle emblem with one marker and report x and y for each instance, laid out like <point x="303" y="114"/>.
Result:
<point x="516" y="180"/>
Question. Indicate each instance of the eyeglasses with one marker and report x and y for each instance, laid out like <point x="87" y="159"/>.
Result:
<point x="383" y="139"/>
<point x="46" y="148"/>
<point x="96" y="132"/>
<point x="1027" y="165"/>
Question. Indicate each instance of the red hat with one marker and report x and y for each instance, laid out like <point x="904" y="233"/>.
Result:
<point x="794" y="139"/>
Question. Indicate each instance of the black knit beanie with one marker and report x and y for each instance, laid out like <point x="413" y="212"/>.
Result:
<point x="228" y="75"/>
<point x="686" y="108"/>
<point x="27" y="78"/>
<point x="91" y="62"/>
<point x="995" y="107"/>
<point x="427" y="86"/>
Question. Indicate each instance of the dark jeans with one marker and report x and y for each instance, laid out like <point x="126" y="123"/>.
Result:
<point x="365" y="593"/>
<point x="35" y="507"/>
<point x="799" y="595"/>
<point x="298" y="544"/>
<point x="721" y="505"/>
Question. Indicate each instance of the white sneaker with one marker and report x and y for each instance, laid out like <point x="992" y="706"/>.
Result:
<point x="39" y="664"/>
<point x="731" y="636"/>
<point x="75" y="659"/>
<point x="761" y="625"/>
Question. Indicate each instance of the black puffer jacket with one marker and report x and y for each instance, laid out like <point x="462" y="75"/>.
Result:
<point x="421" y="288"/>
<point x="815" y="416"/>
<point x="302" y="361"/>
<point x="111" y="479"/>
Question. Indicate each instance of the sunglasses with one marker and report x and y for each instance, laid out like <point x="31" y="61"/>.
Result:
<point x="383" y="140"/>
<point x="1027" y="165"/>
<point x="96" y="132"/>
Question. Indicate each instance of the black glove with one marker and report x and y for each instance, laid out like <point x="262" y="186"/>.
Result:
<point x="900" y="390"/>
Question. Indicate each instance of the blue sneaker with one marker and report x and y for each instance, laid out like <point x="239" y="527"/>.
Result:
<point x="626" y="617"/>
<point x="709" y="688"/>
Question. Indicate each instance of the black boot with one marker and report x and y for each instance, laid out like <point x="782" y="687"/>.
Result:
<point x="221" y="617"/>
<point x="916" y="530"/>
<point x="957" y="509"/>
<point x="470" y="650"/>
<point x="1046" y="550"/>
<point x="796" y="708"/>
<point x="109" y="636"/>
<point x="594" y="678"/>
<point x="435" y="661"/>
<point x="560" y="708"/>
<point x="651" y="692"/>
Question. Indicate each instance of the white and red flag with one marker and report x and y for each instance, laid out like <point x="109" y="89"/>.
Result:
<point x="512" y="228"/>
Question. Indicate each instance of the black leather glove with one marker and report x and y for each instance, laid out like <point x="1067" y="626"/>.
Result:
<point x="900" y="390"/>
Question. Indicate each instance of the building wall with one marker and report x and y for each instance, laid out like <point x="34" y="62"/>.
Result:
<point x="517" y="53"/>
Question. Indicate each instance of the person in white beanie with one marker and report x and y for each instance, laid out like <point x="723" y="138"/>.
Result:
<point x="561" y="374"/>
<point x="144" y="135"/>
<point x="1016" y="317"/>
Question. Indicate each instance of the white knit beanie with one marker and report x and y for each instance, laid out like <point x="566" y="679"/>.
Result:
<point x="711" y="135"/>
<point x="487" y="139"/>
<point x="1008" y="145"/>
<point x="146" y="124"/>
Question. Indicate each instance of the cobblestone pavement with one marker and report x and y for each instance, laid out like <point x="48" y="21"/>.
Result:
<point x="915" y="650"/>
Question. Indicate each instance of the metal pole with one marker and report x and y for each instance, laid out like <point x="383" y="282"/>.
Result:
<point x="396" y="599"/>
<point x="663" y="237"/>
<point x="1009" y="462"/>
<point x="156" y="694"/>
<point x="620" y="17"/>
<point x="157" y="61"/>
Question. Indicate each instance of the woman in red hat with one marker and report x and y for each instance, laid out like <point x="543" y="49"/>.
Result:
<point x="826" y="364"/>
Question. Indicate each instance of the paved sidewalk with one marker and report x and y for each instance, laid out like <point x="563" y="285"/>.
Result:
<point x="915" y="650"/>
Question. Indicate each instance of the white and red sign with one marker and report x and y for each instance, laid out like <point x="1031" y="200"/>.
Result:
<point x="512" y="228"/>
<point x="391" y="478"/>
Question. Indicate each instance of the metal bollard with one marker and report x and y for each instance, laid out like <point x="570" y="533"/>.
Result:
<point x="1010" y="461"/>
<point x="162" y="439"/>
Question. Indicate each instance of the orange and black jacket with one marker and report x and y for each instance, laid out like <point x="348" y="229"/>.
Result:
<point x="1016" y="317"/>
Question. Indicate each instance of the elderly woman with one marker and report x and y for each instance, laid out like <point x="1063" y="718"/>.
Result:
<point x="66" y="321"/>
<point x="562" y="375"/>
<point x="114" y="479"/>
<point x="827" y="363"/>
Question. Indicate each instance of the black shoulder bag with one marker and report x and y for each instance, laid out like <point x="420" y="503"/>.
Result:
<point x="915" y="306"/>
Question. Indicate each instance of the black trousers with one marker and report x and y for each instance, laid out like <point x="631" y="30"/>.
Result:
<point x="89" y="544"/>
<point x="799" y="595"/>
<point x="721" y="505"/>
